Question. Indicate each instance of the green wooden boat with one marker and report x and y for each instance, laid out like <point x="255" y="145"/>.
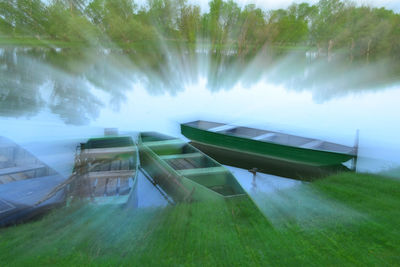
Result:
<point x="184" y="172"/>
<point x="107" y="171"/>
<point x="267" y="150"/>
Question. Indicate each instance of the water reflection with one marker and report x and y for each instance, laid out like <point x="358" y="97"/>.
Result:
<point x="77" y="83"/>
<point x="19" y="84"/>
<point x="158" y="86"/>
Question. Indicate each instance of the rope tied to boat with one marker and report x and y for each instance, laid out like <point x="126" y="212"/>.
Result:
<point x="79" y="173"/>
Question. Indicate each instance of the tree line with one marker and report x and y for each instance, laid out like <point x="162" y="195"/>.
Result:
<point x="328" y="26"/>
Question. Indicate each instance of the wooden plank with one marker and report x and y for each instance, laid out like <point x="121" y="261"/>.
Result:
<point x="181" y="156"/>
<point x="29" y="191"/>
<point x="5" y="206"/>
<point x="7" y="145"/>
<point x="112" y="187"/>
<point x="20" y="176"/>
<point x="100" y="167"/>
<point x="115" y="165"/>
<point x="12" y="170"/>
<point x="211" y="170"/>
<point x="107" y="152"/>
<point x="124" y="164"/>
<point x="6" y="179"/>
<point x="312" y="144"/>
<point x="124" y="186"/>
<point x="264" y="136"/>
<point x="181" y="164"/>
<point x="99" y="188"/>
<point x="222" y="128"/>
<point x="111" y="174"/>
<point x="3" y="158"/>
<point x="164" y="142"/>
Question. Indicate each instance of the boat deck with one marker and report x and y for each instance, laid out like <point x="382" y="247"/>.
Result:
<point x="191" y="164"/>
<point x="28" y="192"/>
<point x="24" y="180"/>
<point x="17" y="164"/>
<point x="106" y="171"/>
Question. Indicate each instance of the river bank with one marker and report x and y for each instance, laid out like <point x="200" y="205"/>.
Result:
<point x="225" y="233"/>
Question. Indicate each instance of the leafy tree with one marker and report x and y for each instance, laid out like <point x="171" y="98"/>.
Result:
<point x="189" y="21"/>
<point x="7" y="16"/>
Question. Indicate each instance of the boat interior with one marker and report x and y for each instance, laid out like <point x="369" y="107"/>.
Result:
<point x="108" y="142"/>
<point x="271" y="137"/>
<point x="109" y="170"/>
<point x="18" y="164"/>
<point x="194" y="165"/>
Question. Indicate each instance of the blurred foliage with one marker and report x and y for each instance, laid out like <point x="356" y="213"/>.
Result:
<point x="329" y="25"/>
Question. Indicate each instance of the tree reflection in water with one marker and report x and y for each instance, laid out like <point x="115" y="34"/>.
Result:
<point x="75" y="83"/>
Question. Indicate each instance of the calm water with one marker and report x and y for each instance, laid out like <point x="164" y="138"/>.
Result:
<point x="51" y="99"/>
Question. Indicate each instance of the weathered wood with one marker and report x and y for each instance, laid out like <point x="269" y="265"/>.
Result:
<point x="26" y="168"/>
<point x="115" y="165"/>
<point x="124" y="164"/>
<point x="222" y="128"/>
<point x="164" y="142"/>
<point x="111" y="174"/>
<point x="99" y="153"/>
<point x="111" y="187"/>
<point x="181" y="156"/>
<point x="264" y="136"/>
<point x="5" y="206"/>
<point x="189" y="172"/>
<point x="183" y="163"/>
<point x="7" y="146"/>
<point x="29" y="191"/>
<point x="312" y="144"/>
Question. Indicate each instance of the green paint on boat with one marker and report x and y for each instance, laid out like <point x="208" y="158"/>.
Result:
<point x="280" y="146"/>
<point x="184" y="172"/>
<point x="254" y="147"/>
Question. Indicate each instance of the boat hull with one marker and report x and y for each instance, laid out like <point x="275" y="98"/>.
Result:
<point x="107" y="171"/>
<point x="266" y="164"/>
<point x="266" y="150"/>
<point x="202" y="183"/>
<point x="25" y="180"/>
<point x="17" y="199"/>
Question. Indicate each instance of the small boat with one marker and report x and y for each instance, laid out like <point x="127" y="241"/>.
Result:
<point x="24" y="180"/>
<point x="183" y="172"/>
<point x="106" y="171"/>
<point x="268" y="151"/>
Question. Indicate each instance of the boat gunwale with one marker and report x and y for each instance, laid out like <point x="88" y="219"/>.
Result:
<point x="176" y="173"/>
<point x="351" y="153"/>
<point x="130" y="149"/>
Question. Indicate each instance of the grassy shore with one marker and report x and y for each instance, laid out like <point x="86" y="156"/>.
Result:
<point x="231" y="233"/>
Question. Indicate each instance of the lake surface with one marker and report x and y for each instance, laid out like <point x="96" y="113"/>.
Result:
<point x="51" y="99"/>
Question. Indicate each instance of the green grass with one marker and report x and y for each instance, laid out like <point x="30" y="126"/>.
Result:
<point x="231" y="233"/>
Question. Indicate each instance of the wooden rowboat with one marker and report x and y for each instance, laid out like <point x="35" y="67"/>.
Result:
<point x="268" y="151"/>
<point x="106" y="170"/>
<point x="183" y="172"/>
<point x="23" y="181"/>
